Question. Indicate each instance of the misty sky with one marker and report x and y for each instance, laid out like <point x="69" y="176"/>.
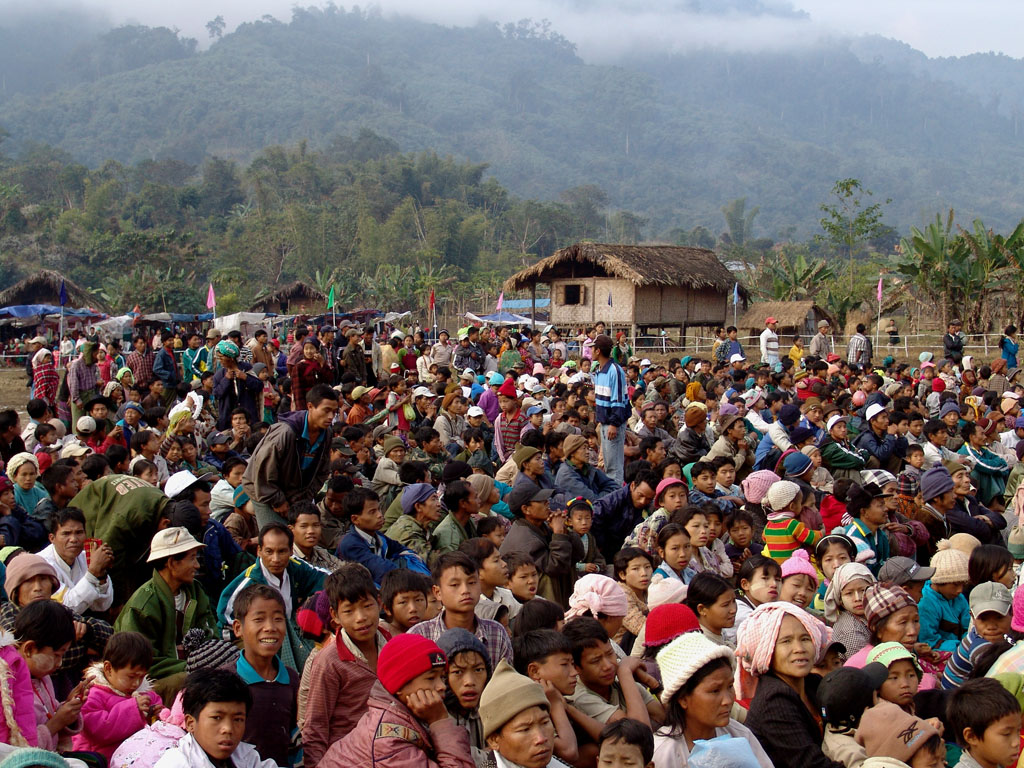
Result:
<point x="602" y="28"/>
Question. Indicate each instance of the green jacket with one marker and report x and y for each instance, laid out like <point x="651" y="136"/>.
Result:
<point x="842" y="456"/>
<point x="408" y="532"/>
<point x="151" y="611"/>
<point x="449" y="534"/>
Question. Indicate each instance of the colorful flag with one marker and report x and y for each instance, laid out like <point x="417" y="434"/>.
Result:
<point x="736" y="294"/>
<point x="879" y="289"/>
<point x="63" y="294"/>
<point x="431" y="299"/>
<point x="609" y="298"/>
<point x="211" y="300"/>
<point x="501" y="300"/>
<point x="330" y="298"/>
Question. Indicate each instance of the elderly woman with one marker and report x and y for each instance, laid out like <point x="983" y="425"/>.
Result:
<point x="697" y="680"/>
<point x="776" y="650"/>
<point x="44" y="376"/>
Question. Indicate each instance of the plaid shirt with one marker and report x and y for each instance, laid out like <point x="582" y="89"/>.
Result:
<point x="490" y="633"/>
<point x="142" y="367"/>
<point x="857" y="351"/>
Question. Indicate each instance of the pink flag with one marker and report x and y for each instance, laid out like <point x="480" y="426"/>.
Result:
<point x="879" y="289"/>
<point x="211" y="300"/>
<point x="501" y="300"/>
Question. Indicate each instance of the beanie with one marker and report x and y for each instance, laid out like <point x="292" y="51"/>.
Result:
<point x="508" y="389"/>
<point x="665" y="484"/>
<point x="1015" y="542"/>
<point x="30" y="757"/>
<point x="571" y="444"/>
<point x="935" y="482"/>
<point x="948" y="407"/>
<point x="665" y="592"/>
<point x="965" y="542"/>
<point x="391" y="443"/>
<point x="950" y="564"/>
<point x="881" y="602"/>
<point x="799" y="562"/>
<point x="756" y="485"/>
<point x="455" y="470"/>
<point x="24" y="567"/>
<point x="524" y="453"/>
<point x="686" y="656"/>
<point x="457" y="640"/>
<point x="204" y="652"/>
<point x="667" y="622"/>
<point x="796" y="464"/>
<point x="781" y="495"/>
<point x="887" y="731"/>
<point x="506" y="695"/>
<point x="887" y="654"/>
<point x="415" y="494"/>
<point x="405" y="657"/>
<point x="695" y="414"/>
<point x="789" y="414"/>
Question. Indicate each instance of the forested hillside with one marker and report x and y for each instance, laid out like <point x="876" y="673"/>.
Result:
<point x="671" y="137"/>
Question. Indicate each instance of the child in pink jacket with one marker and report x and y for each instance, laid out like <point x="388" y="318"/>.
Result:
<point x="121" y="700"/>
<point x="16" y="696"/>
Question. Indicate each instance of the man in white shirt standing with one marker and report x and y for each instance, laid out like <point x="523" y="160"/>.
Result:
<point x="84" y="583"/>
<point x="770" y="342"/>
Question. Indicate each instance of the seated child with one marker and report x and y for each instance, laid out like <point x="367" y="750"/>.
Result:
<point x="740" y="525"/>
<point x="866" y="507"/>
<point x="844" y="606"/>
<point x="904" y="678"/>
<point x="493" y="576"/>
<point x="403" y="596"/>
<point x="915" y="460"/>
<point x="581" y="517"/>
<point x="144" y="470"/>
<point x="469" y="669"/>
<point x="799" y="580"/>
<point x="886" y="731"/>
<point x="833" y="550"/>
<point x="492" y="529"/>
<point x="784" y="534"/>
<point x="760" y="580"/>
<point x="406" y="722"/>
<point x="222" y="496"/>
<point x="522" y="576"/>
<point x="362" y="508"/>
<point x="669" y="497"/>
<point x="703" y="492"/>
<point x="261" y="624"/>
<point x="241" y="522"/>
<point x="345" y="671"/>
<point x="725" y="480"/>
<point x="216" y="703"/>
<point x="945" y="612"/>
<point x="121" y="700"/>
<point x="991" y="616"/>
<point x="844" y="694"/>
<point x="633" y="569"/>
<point x="675" y="551"/>
<point x="625" y="696"/>
<point x="833" y="506"/>
<point x="985" y="720"/>
<point x="712" y="554"/>
<point x="625" y="743"/>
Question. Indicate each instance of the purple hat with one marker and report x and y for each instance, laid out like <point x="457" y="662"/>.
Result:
<point x="935" y="482"/>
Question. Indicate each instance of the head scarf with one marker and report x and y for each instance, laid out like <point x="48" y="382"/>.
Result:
<point x="122" y="372"/>
<point x="693" y="391"/>
<point x="227" y="349"/>
<point x="756" y="638"/>
<point x="843" y="575"/>
<point x="595" y="594"/>
<point x="39" y="358"/>
<point x="19" y="459"/>
<point x="482" y="486"/>
<point x="178" y="416"/>
<point x="110" y="387"/>
<point x="89" y="353"/>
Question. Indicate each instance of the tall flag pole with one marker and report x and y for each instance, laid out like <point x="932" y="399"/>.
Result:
<point x="63" y="301"/>
<point x="878" y="322"/>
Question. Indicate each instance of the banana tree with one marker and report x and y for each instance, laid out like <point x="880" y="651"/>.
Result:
<point x="925" y="259"/>
<point x="788" y="278"/>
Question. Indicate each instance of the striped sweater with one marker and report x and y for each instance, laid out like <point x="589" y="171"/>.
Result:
<point x="783" y="537"/>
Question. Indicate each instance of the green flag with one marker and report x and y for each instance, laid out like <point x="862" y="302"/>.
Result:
<point x="330" y="299"/>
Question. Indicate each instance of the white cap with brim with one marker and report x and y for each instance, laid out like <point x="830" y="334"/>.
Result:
<point x="475" y="411"/>
<point x="991" y="596"/>
<point x="170" y="542"/>
<point x="873" y="410"/>
<point x="179" y="481"/>
<point x="737" y="358"/>
<point x="74" y="450"/>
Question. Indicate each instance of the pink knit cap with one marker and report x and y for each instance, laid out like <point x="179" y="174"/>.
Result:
<point x="799" y="562"/>
<point x="668" y="482"/>
<point x="756" y="485"/>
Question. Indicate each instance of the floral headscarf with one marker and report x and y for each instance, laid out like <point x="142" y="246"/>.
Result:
<point x="227" y="349"/>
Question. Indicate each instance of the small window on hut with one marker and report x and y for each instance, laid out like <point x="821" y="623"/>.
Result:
<point x="574" y="295"/>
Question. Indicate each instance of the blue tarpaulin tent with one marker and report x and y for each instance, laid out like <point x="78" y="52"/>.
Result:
<point x="22" y="311"/>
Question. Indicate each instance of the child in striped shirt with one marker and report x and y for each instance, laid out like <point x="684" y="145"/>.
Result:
<point x="784" y="534"/>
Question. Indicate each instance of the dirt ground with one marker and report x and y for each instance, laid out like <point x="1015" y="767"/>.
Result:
<point x="13" y="392"/>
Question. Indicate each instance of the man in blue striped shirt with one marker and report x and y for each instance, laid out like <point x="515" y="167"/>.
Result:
<point x="611" y="407"/>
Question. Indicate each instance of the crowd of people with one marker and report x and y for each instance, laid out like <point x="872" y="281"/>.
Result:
<point x="503" y="550"/>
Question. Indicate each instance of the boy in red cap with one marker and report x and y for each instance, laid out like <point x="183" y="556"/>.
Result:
<point x="407" y="723"/>
<point x="510" y="422"/>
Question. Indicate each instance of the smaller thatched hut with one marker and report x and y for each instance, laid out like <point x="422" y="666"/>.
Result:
<point x="794" y="317"/>
<point x="43" y="287"/>
<point x="296" y="298"/>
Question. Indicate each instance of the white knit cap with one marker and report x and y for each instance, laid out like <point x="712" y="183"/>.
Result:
<point x="781" y="494"/>
<point x="665" y="591"/>
<point x="684" y="657"/>
<point x="950" y="564"/>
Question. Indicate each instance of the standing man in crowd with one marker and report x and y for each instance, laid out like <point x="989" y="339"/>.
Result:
<point x="857" y="352"/>
<point x="612" y="407"/>
<point x="821" y="344"/>
<point x="770" y="342"/>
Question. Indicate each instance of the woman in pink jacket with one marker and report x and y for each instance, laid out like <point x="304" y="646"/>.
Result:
<point x="406" y="721"/>
<point x="121" y="699"/>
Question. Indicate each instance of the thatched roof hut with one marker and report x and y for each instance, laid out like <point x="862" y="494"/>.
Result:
<point x="794" y="317"/>
<point x="43" y="287"/>
<point x="664" y="286"/>
<point x="294" y="298"/>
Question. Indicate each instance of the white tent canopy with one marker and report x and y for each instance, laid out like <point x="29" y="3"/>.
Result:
<point x="246" y="322"/>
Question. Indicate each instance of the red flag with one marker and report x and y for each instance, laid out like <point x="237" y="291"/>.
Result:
<point x="431" y="299"/>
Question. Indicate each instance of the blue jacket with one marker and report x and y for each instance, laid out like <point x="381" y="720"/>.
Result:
<point x="614" y="519"/>
<point x="943" y="622"/>
<point x="611" y="396"/>
<point x="166" y="369"/>
<point x="881" y="449"/>
<point x="591" y="484"/>
<point x="393" y="555"/>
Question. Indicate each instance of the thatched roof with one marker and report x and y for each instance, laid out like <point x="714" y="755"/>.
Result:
<point x="640" y="264"/>
<point x="790" y="314"/>
<point x="45" y="284"/>
<point x="291" y="292"/>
